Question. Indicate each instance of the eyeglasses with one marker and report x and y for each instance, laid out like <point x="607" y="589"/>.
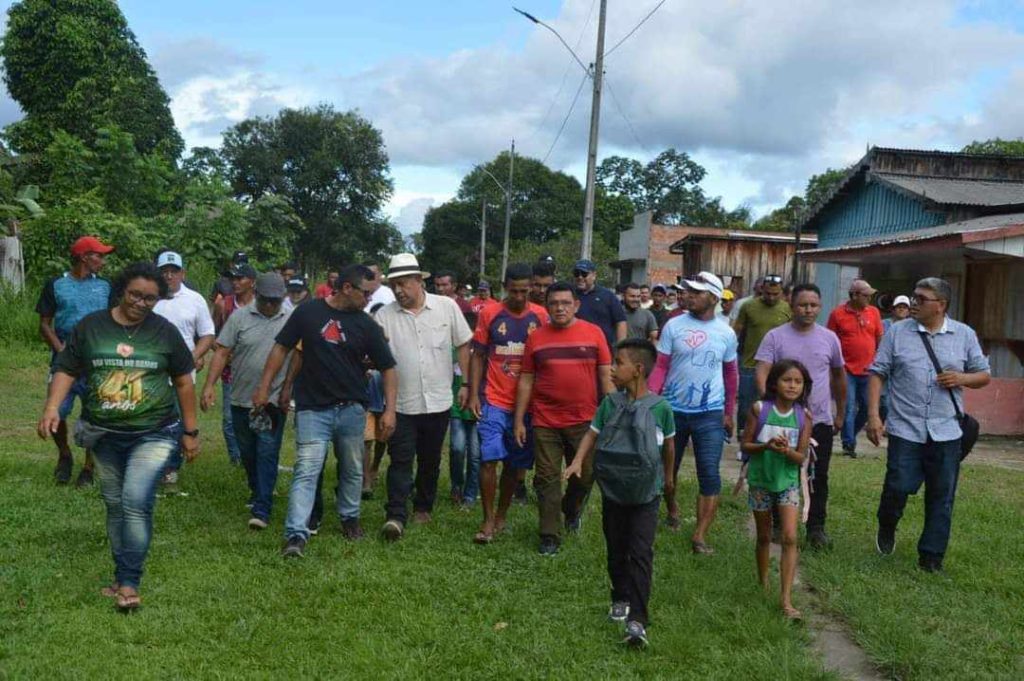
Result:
<point x="772" y="279"/>
<point x="579" y="273"/>
<point x="561" y="303"/>
<point x="921" y="300"/>
<point x="136" y="297"/>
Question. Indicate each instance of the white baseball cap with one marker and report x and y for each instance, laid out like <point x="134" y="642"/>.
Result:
<point x="706" y="281"/>
<point x="901" y="300"/>
<point x="170" y="258"/>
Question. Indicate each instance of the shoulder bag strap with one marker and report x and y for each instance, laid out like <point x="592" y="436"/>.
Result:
<point x="938" y="370"/>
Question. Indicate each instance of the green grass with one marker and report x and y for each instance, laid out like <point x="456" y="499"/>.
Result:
<point x="221" y="603"/>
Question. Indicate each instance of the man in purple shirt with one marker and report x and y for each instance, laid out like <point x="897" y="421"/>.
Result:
<point x="818" y="349"/>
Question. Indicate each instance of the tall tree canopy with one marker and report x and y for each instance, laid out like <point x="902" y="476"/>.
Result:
<point x="669" y="185"/>
<point x="547" y="205"/>
<point x="76" y="66"/>
<point x="332" y="169"/>
<point x="996" y="146"/>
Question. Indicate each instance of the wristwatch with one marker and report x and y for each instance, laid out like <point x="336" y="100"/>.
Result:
<point x="191" y="433"/>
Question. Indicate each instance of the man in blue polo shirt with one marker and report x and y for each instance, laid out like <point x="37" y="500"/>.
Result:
<point x="62" y="303"/>
<point x="598" y="305"/>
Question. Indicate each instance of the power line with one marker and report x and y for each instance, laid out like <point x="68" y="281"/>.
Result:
<point x="566" y="119"/>
<point x="635" y="28"/>
<point x="622" y="112"/>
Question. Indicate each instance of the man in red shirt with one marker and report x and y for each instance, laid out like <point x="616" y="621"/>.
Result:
<point x="565" y="364"/>
<point x="445" y="285"/>
<point x="858" y="324"/>
<point x="500" y="340"/>
<point x="482" y="298"/>
<point x="326" y="289"/>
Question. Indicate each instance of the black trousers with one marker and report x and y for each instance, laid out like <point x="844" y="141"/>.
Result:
<point x="629" y="536"/>
<point x="417" y="437"/>
<point x="823" y="435"/>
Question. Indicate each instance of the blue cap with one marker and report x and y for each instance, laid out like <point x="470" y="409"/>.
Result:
<point x="483" y="284"/>
<point x="585" y="265"/>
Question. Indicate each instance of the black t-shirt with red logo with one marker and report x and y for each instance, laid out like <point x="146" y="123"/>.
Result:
<point x="335" y="345"/>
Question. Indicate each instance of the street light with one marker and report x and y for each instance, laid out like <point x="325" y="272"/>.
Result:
<point x="508" y="212"/>
<point x="596" y="73"/>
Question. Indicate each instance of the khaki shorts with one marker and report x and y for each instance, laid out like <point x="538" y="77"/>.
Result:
<point x="372" y="430"/>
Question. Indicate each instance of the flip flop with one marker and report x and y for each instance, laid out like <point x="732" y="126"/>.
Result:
<point x="110" y="591"/>
<point x="793" y="614"/>
<point x="128" y="602"/>
<point x="701" y="548"/>
<point x="482" y="538"/>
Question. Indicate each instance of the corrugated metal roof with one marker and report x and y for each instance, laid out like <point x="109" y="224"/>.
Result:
<point x="956" y="191"/>
<point x="989" y="222"/>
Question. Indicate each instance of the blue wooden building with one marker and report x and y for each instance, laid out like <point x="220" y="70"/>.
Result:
<point x="900" y="215"/>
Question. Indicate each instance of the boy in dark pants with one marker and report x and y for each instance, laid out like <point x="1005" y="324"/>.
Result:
<point x="630" y="506"/>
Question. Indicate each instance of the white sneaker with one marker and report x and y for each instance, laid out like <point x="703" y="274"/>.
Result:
<point x="257" y="524"/>
<point x="170" y="478"/>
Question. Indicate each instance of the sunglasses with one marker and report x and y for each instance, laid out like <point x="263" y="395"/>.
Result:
<point x="579" y="273"/>
<point x="773" y="279"/>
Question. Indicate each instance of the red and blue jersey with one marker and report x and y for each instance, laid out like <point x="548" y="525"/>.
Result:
<point x="500" y="337"/>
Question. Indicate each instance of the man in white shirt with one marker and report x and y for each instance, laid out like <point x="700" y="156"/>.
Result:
<point x="425" y="332"/>
<point x="187" y="310"/>
<point x="381" y="294"/>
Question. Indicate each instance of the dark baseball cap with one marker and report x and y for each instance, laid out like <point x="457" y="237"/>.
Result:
<point x="584" y="265"/>
<point x="297" y="283"/>
<point x="243" y="270"/>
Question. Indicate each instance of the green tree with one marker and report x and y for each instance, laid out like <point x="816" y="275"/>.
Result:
<point x="76" y="66"/>
<point x="818" y="188"/>
<point x="822" y="184"/>
<point x="1013" y="147"/>
<point x="332" y="169"/>
<point x="273" y="231"/>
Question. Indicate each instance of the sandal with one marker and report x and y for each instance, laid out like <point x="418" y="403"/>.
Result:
<point x="128" y="599"/>
<point x="110" y="591"/>
<point x="792" y="614"/>
<point x="483" y="537"/>
<point x="701" y="548"/>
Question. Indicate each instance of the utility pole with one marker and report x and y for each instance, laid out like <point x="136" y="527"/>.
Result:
<point x="595" y="119"/>
<point x="483" y="234"/>
<point x="508" y="209"/>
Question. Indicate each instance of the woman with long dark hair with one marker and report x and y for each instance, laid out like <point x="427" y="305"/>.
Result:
<point x="138" y="371"/>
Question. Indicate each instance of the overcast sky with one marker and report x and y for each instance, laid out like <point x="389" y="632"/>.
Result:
<point x="762" y="93"/>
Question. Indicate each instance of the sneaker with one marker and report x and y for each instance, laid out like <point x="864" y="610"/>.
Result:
<point x="84" y="478"/>
<point x="574" y="524"/>
<point x="850" y="451"/>
<point x="548" y="546"/>
<point x="421" y="517"/>
<point x="62" y="473"/>
<point x="314" y="528"/>
<point x="930" y="564"/>
<point x="817" y="539"/>
<point x="885" y="540"/>
<point x="636" y="635"/>
<point x="257" y="523"/>
<point x="294" y="547"/>
<point x="351" y="529"/>
<point x="170" y="478"/>
<point x="619" y="611"/>
<point x="392" y="530"/>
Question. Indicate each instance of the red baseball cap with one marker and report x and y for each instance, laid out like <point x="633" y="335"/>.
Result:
<point x="89" y="244"/>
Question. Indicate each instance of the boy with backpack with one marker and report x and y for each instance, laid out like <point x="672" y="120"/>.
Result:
<point x="632" y="434"/>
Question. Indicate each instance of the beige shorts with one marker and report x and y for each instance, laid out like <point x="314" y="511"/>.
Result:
<point x="372" y="430"/>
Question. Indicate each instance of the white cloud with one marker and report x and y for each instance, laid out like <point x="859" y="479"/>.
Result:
<point x="410" y="214"/>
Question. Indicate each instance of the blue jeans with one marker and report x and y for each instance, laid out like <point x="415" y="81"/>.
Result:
<point x="908" y="464"/>
<point x="130" y="466"/>
<point x="234" y="454"/>
<point x="746" y="394"/>
<point x="343" y="425"/>
<point x="260" y="451"/>
<point x="705" y="428"/>
<point x="856" y="408"/>
<point x="464" y="459"/>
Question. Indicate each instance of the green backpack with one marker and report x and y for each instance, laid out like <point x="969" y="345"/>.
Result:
<point x="628" y="465"/>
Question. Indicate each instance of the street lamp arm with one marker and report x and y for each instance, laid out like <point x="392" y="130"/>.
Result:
<point x="557" y="35"/>
<point x="500" y="185"/>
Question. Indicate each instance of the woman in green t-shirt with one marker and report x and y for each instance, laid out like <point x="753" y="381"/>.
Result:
<point x="776" y="437"/>
<point x="138" y="371"/>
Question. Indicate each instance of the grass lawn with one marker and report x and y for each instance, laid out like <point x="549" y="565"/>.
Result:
<point x="221" y="603"/>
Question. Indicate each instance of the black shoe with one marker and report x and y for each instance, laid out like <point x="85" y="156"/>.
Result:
<point x="351" y="529"/>
<point x="817" y="539"/>
<point x="850" y="451"/>
<point x="619" y="611"/>
<point x="930" y="564"/>
<point x="294" y="547"/>
<point x="392" y="530"/>
<point x="548" y="546"/>
<point x="636" y="635"/>
<point x="885" y="540"/>
<point x="574" y="524"/>
<point x="62" y="473"/>
<point x="84" y="478"/>
<point x="521" y="496"/>
<point x="313" y="527"/>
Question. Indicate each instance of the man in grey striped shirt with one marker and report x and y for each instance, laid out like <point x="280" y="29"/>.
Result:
<point x="922" y="427"/>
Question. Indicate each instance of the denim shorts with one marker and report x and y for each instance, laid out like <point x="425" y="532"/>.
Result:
<point x="497" y="438"/>
<point x="759" y="499"/>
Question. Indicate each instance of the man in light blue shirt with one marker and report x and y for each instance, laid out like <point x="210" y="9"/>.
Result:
<point x="924" y="433"/>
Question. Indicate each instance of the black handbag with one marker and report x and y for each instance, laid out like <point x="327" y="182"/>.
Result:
<point x="968" y="424"/>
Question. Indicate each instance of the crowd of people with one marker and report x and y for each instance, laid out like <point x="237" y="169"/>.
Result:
<point x="577" y="382"/>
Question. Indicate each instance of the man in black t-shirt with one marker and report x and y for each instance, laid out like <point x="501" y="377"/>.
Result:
<point x="331" y="396"/>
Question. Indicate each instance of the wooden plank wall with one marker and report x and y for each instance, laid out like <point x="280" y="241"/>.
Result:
<point x="748" y="260"/>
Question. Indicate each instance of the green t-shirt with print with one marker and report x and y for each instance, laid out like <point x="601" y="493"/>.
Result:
<point x="128" y="370"/>
<point x="769" y="469"/>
